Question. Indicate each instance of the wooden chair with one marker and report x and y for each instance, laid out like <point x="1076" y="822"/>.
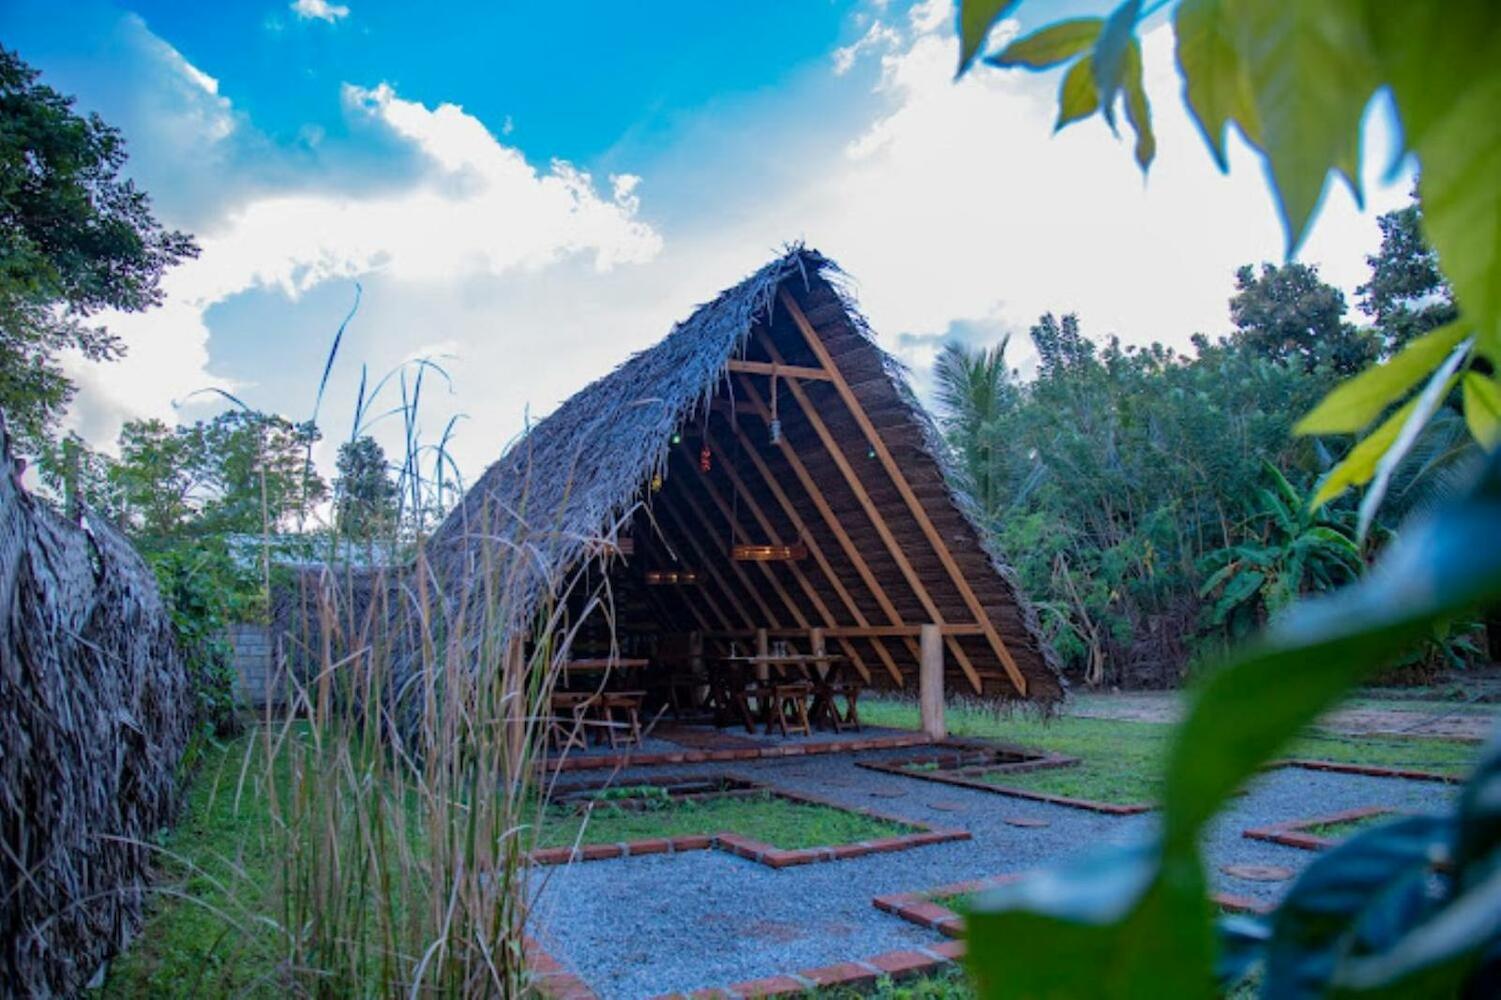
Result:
<point x="569" y="722"/>
<point x="627" y="703"/>
<point x="782" y="696"/>
<point x="851" y="691"/>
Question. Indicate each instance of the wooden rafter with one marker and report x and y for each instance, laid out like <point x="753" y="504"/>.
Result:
<point x="814" y="549"/>
<point x="784" y="371"/>
<point x="831" y="520"/>
<point x="898" y="555"/>
<point x="775" y="538"/>
<point x="708" y="565"/>
<point x="919" y="512"/>
<point x="768" y="616"/>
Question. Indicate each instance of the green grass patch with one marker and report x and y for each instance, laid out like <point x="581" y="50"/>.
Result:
<point x="773" y="820"/>
<point x="1121" y="762"/>
<point x="203" y="935"/>
<point x="950" y="984"/>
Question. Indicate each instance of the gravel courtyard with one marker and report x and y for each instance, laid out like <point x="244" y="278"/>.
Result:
<point x="638" y="927"/>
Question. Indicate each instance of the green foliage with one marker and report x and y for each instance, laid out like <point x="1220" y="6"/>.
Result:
<point x="1406" y="294"/>
<point x="1113" y="474"/>
<point x="364" y="494"/>
<point x="75" y="238"/>
<point x="1296" y="79"/>
<point x="1288" y="315"/>
<point x="206" y="591"/>
<point x="1293" y="550"/>
<point x="242" y="472"/>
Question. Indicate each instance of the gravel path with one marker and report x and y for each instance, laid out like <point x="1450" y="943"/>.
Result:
<point x="637" y="927"/>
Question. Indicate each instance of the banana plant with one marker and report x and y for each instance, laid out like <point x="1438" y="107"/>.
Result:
<point x="1292" y="549"/>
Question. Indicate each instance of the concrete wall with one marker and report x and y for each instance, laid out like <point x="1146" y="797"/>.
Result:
<point x="254" y="664"/>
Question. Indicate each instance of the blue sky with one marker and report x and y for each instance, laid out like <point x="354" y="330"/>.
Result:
<point x="528" y="192"/>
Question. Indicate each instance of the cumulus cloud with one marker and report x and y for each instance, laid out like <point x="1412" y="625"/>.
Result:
<point x="878" y="36"/>
<point x="320" y="10"/>
<point x="956" y="203"/>
<point x="477" y="209"/>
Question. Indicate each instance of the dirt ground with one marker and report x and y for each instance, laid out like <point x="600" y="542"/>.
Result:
<point x="1374" y="712"/>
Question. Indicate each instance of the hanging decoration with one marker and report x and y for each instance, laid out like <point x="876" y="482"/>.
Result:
<point x="656" y="482"/>
<point x="768" y="553"/>
<point x="705" y="459"/>
<point x="677" y="437"/>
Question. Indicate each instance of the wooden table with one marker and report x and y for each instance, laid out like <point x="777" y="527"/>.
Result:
<point x="822" y="670"/>
<point x="601" y="665"/>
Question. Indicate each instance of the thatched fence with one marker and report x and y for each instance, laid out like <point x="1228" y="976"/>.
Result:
<point x="94" y="715"/>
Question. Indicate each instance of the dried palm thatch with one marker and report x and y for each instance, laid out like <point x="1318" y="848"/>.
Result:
<point x="580" y="476"/>
<point x="94" y="717"/>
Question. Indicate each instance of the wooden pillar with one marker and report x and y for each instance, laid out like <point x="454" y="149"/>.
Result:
<point x="763" y="650"/>
<point x="816" y="644"/>
<point x="696" y="652"/>
<point x="930" y="682"/>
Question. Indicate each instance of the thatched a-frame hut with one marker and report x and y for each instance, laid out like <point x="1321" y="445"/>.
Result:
<point x="765" y="471"/>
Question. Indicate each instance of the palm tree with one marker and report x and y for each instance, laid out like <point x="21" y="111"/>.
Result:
<point x="974" y="390"/>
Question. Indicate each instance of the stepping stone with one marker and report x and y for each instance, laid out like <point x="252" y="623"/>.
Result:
<point x="948" y="807"/>
<point x="1027" y="822"/>
<point x="1258" y="873"/>
<point x="884" y="793"/>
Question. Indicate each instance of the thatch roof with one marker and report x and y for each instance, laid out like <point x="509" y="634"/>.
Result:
<point x="95" y="710"/>
<point x="583" y="472"/>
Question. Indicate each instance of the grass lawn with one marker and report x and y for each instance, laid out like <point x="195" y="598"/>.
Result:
<point x="1121" y="761"/>
<point x="202" y="936"/>
<point x="767" y="818"/>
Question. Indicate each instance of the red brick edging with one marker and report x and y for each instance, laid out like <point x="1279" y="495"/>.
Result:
<point x="587" y="763"/>
<point x="1291" y="833"/>
<point x="919" y="907"/>
<point x="962" y="781"/>
<point x="758" y="851"/>
<point x="550" y="978"/>
<point x="1370" y="770"/>
<point x="863" y="972"/>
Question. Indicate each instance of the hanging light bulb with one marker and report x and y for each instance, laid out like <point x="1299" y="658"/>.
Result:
<point x="656" y="482"/>
<point x="776" y="431"/>
<point x="871" y="452"/>
<point x="677" y="438"/>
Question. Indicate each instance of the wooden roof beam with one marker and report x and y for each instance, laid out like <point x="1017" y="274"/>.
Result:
<point x="852" y="479"/>
<point x="919" y="513"/>
<point x="742" y="367"/>
<point x="789" y="510"/>
<point x="830" y="519"/>
<point x="797" y="574"/>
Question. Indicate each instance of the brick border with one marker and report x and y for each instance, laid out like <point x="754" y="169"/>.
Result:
<point x="962" y="779"/>
<point x="899" y="964"/>
<point x="1291" y="833"/>
<point x="921" y="909"/>
<point x="550" y="978"/>
<point x="590" y="763"/>
<point x="759" y="851"/>
<point x="1369" y="770"/>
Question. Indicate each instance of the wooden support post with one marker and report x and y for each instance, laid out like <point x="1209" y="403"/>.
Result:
<point x="763" y="649"/>
<point x="930" y="682"/>
<point x="816" y="642"/>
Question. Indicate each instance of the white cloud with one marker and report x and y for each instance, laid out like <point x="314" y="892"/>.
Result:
<point x="959" y="204"/>
<point x="321" y="10"/>
<point x="878" y="36"/>
<point x="479" y="210"/>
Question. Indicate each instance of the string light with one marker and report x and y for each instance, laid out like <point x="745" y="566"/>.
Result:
<point x="705" y="460"/>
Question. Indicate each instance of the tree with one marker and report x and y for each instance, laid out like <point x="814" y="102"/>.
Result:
<point x="1289" y="315"/>
<point x="75" y="239"/>
<point x="241" y="473"/>
<point x="1406" y="294"/>
<point x="364" y="494"/>
<point x="974" y="392"/>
